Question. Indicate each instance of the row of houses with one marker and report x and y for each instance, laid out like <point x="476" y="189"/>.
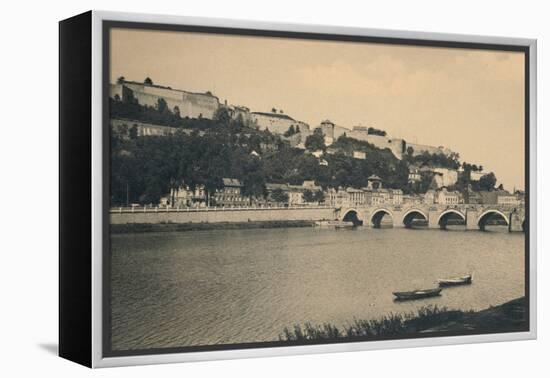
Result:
<point x="231" y="195"/>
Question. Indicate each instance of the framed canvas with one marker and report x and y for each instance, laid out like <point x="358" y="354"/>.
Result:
<point x="236" y="189"/>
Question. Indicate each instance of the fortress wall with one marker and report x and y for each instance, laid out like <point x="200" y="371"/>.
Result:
<point x="276" y="125"/>
<point x="198" y="104"/>
<point x="382" y="142"/>
<point x="165" y="93"/>
<point x="421" y="148"/>
<point x="339" y="131"/>
<point x="115" y="89"/>
<point x="218" y="216"/>
<point x="191" y="105"/>
<point x="186" y="110"/>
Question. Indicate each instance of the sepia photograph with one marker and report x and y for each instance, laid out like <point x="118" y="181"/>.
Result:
<point x="277" y="189"/>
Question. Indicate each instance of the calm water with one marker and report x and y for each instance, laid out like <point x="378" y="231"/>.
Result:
<point x="235" y="286"/>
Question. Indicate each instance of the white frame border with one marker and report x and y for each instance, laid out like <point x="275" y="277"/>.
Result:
<point x="97" y="207"/>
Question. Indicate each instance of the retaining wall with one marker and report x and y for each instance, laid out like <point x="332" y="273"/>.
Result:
<point x="218" y="216"/>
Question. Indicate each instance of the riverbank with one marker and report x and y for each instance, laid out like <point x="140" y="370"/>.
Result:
<point x="510" y="316"/>
<point x="180" y="227"/>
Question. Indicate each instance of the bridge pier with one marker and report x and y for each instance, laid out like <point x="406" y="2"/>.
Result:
<point x="471" y="220"/>
<point x="433" y="217"/>
<point x="515" y="222"/>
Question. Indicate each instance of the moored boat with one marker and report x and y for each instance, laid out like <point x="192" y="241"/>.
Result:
<point x="464" y="280"/>
<point x="416" y="294"/>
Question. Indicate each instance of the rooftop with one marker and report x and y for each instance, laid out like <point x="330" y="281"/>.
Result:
<point x="231" y="182"/>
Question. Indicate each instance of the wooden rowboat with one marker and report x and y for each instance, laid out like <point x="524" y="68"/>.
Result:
<point x="464" y="280"/>
<point x="416" y="294"/>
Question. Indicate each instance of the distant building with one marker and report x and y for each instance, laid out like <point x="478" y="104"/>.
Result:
<point x="184" y="196"/>
<point x="337" y="197"/>
<point x="473" y="197"/>
<point x="430" y="197"/>
<point x="327" y="127"/>
<point x="295" y="193"/>
<point x="356" y="197"/>
<point x="374" y="182"/>
<point x="396" y="196"/>
<point x="230" y="194"/>
<point x="413" y="199"/>
<point x="414" y="174"/>
<point x="359" y="155"/>
<point x="445" y="197"/>
<point x="488" y="198"/>
<point x="506" y="198"/>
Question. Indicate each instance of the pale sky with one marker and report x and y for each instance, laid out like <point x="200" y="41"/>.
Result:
<point x="471" y="101"/>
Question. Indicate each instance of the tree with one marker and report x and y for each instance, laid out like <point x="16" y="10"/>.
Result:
<point x="291" y="131"/>
<point x="315" y="141"/>
<point x="273" y="110"/>
<point x="308" y="196"/>
<point x="133" y="132"/>
<point x="148" y="81"/>
<point x="176" y="112"/>
<point x="162" y="106"/>
<point x="222" y="116"/>
<point x="254" y="185"/>
<point x="319" y="196"/>
<point x="121" y="80"/>
<point x="410" y="151"/>
<point x="278" y="195"/>
<point x="374" y="131"/>
<point x="487" y="182"/>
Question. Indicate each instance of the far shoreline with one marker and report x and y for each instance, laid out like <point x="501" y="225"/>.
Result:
<point x="183" y="227"/>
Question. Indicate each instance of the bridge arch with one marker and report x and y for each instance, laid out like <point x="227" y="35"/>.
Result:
<point x="413" y="214"/>
<point x="447" y="214"/>
<point x="487" y="215"/>
<point x="353" y="215"/>
<point x="377" y="215"/>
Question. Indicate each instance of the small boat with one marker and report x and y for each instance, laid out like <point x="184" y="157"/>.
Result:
<point x="464" y="280"/>
<point x="416" y="294"/>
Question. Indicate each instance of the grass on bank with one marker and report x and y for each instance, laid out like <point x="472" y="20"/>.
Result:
<point x="393" y="324"/>
<point x="509" y="316"/>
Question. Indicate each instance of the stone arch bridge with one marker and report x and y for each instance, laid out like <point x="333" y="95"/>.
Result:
<point x="474" y="217"/>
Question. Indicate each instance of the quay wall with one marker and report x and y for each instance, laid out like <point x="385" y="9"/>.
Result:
<point x="219" y="216"/>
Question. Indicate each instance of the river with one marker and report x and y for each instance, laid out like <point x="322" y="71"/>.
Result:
<point x="174" y="289"/>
